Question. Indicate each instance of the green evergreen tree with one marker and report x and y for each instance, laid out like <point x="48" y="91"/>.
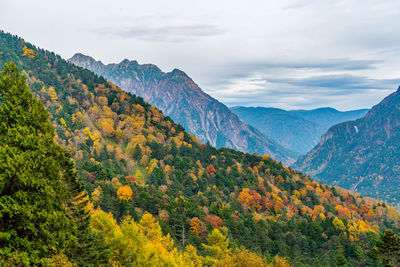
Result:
<point x="174" y="149"/>
<point x="137" y="153"/>
<point x="387" y="250"/>
<point x="340" y="259"/>
<point x="89" y="242"/>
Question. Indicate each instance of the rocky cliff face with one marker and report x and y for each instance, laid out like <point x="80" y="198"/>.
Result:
<point x="361" y="155"/>
<point x="179" y="97"/>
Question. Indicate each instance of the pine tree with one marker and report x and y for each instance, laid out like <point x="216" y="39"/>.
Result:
<point x="387" y="250"/>
<point x="89" y="242"/>
<point x="340" y="259"/>
<point x="137" y="153"/>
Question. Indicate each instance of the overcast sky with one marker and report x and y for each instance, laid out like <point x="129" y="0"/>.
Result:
<point x="289" y="54"/>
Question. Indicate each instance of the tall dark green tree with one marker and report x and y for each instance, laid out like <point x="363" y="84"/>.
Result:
<point x="137" y="153"/>
<point x="90" y="248"/>
<point x="340" y="259"/>
<point x="387" y="250"/>
<point x="40" y="198"/>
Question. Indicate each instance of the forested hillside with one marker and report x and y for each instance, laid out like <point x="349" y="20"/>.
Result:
<point x="214" y="206"/>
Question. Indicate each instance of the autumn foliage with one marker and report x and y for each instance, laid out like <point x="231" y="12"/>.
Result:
<point x="211" y="169"/>
<point x="124" y="193"/>
<point x="215" y="221"/>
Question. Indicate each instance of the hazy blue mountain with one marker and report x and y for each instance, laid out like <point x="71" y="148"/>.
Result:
<point x="297" y="130"/>
<point x="290" y="131"/>
<point x="326" y="117"/>
<point x="179" y="97"/>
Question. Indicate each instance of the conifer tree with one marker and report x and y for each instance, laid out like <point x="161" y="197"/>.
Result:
<point x="137" y="154"/>
<point x="387" y="250"/>
<point x="90" y="248"/>
<point x="340" y="259"/>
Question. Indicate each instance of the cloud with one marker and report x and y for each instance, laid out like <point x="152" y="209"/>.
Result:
<point x="299" y="4"/>
<point x="340" y="91"/>
<point x="327" y="64"/>
<point x="301" y="83"/>
<point x="342" y="82"/>
<point x="171" y="33"/>
<point x="276" y="68"/>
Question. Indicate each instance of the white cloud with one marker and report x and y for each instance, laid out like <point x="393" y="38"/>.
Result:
<point x="170" y="33"/>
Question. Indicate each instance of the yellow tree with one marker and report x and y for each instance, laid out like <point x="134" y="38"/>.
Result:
<point x="217" y="247"/>
<point x="96" y="195"/>
<point x="28" y="52"/>
<point x="124" y="193"/>
<point x="245" y="258"/>
<point x="139" y="176"/>
<point x="280" y="262"/>
<point x="339" y="224"/>
<point x="106" y="126"/>
<point x="53" y="94"/>
<point x="140" y="244"/>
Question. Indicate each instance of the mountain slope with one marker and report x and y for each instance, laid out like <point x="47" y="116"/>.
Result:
<point x="361" y="155"/>
<point x="184" y="101"/>
<point x="296" y="130"/>
<point x="133" y="161"/>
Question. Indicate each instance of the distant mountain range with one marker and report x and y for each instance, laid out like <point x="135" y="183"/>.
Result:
<point x="361" y="155"/>
<point x="296" y="130"/>
<point x="179" y="97"/>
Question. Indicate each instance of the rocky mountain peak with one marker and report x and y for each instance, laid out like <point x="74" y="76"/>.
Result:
<point x="83" y="58"/>
<point x="128" y="62"/>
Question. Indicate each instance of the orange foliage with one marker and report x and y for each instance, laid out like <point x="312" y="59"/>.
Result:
<point x="215" y="221"/>
<point x="211" y="169"/>
<point x="131" y="179"/>
<point x="343" y="212"/>
<point x="197" y="226"/>
<point x="250" y="199"/>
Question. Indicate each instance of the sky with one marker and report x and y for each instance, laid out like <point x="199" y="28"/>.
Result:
<point x="289" y="54"/>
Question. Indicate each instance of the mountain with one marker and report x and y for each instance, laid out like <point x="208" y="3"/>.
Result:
<point x="361" y="155"/>
<point x="327" y="117"/>
<point x="183" y="100"/>
<point x="290" y="131"/>
<point x="296" y="130"/>
<point x="162" y="198"/>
